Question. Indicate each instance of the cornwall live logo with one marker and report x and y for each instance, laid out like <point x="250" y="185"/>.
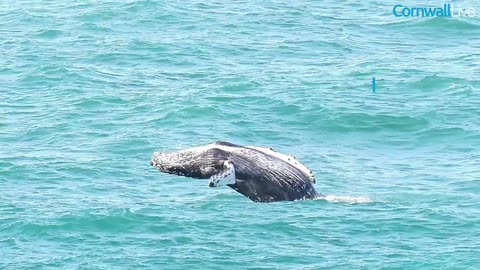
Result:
<point x="447" y="10"/>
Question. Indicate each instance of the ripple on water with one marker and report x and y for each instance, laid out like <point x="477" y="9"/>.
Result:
<point x="91" y="89"/>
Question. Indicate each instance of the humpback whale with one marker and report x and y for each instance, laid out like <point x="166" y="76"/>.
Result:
<point x="261" y="174"/>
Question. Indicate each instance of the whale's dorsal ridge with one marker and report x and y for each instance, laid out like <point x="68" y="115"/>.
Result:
<point x="226" y="144"/>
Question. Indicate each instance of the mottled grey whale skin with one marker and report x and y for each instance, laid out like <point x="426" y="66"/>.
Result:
<point x="261" y="174"/>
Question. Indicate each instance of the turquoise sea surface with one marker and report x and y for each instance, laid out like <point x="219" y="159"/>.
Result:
<point x="89" y="89"/>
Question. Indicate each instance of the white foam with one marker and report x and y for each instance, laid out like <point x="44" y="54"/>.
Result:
<point x="345" y="199"/>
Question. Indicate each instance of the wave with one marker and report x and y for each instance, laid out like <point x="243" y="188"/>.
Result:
<point x="450" y="23"/>
<point x="443" y="23"/>
<point x="361" y="121"/>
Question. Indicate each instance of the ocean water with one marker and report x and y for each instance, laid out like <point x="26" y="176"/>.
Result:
<point x="89" y="89"/>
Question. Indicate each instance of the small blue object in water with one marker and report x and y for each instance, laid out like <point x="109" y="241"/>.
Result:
<point x="373" y="84"/>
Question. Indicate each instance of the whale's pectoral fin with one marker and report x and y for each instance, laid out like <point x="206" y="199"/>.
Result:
<point x="224" y="177"/>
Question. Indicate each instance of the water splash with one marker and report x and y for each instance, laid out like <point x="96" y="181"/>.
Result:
<point x="346" y="199"/>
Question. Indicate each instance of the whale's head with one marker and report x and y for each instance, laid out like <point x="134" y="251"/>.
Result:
<point x="197" y="162"/>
